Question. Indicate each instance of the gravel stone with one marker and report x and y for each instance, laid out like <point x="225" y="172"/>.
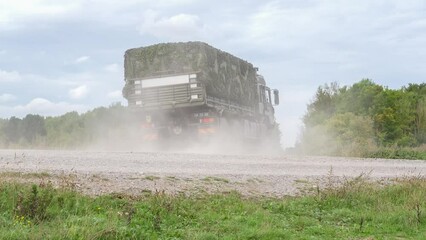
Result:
<point x="135" y="173"/>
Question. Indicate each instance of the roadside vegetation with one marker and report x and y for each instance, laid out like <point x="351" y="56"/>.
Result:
<point x="69" y="131"/>
<point x="356" y="209"/>
<point x="366" y="120"/>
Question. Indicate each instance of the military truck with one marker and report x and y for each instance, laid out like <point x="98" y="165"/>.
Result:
<point x="194" y="91"/>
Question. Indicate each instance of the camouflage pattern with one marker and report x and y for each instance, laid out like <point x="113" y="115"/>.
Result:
<point x="224" y="75"/>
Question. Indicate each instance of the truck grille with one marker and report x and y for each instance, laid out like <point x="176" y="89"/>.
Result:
<point x="167" y="96"/>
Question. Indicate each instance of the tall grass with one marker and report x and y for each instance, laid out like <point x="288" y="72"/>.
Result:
<point x="418" y="153"/>
<point x="357" y="209"/>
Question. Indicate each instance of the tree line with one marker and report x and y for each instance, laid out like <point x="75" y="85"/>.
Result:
<point x="366" y="119"/>
<point x="71" y="130"/>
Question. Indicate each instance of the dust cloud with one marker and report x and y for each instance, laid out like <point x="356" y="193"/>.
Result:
<point x="132" y="135"/>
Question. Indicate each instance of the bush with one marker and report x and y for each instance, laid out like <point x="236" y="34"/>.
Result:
<point x="342" y="135"/>
<point x="33" y="203"/>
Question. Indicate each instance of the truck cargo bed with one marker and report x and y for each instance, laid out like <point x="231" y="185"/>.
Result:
<point x="223" y="75"/>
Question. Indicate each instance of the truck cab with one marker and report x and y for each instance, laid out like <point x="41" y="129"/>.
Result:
<point x="267" y="99"/>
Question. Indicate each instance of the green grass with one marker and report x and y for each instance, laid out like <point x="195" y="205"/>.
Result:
<point x="25" y="175"/>
<point x="399" y="153"/>
<point x="356" y="210"/>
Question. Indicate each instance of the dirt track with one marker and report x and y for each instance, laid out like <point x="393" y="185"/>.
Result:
<point x="135" y="172"/>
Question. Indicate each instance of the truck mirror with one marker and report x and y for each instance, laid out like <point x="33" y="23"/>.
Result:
<point x="276" y="97"/>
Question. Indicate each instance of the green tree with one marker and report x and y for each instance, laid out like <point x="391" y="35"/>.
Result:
<point x="12" y="130"/>
<point x="364" y="116"/>
<point x="359" y="98"/>
<point x="420" y="122"/>
<point x="419" y="91"/>
<point x="394" y="118"/>
<point x="323" y="105"/>
<point x="65" y="131"/>
<point x="32" y="126"/>
<point x="3" y="123"/>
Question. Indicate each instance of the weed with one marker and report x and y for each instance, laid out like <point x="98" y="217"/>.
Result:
<point x="361" y="224"/>
<point x="151" y="178"/>
<point x="68" y="181"/>
<point x="254" y="180"/>
<point x="105" y="234"/>
<point x="162" y="204"/>
<point x="146" y="192"/>
<point x="215" y="179"/>
<point x="32" y="204"/>
<point x="172" y="178"/>
<point x="418" y="210"/>
<point x="303" y="181"/>
<point x="25" y="175"/>
<point x="95" y="177"/>
<point x="319" y="200"/>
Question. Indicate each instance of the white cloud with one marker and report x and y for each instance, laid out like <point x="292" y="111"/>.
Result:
<point x="6" y="97"/>
<point x="3" y="52"/>
<point x="79" y="92"/>
<point x="18" y="14"/>
<point x="82" y="59"/>
<point x="15" y="14"/>
<point x="68" y="79"/>
<point x="333" y="25"/>
<point x="115" y="94"/>
<point x="178" y="27"/>
<point x="6" y="76"/>
<point x="113" y="68"/>
<point x="41" y="106"/>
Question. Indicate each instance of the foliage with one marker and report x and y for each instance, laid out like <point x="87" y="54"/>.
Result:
<point x="357" y="209"/>
<point x="324" y="105"/>
<point x="70" y="130"/>
<point x="2" y="132"/>
<point x="344" y="134"/>
<point x="359" y="119"/>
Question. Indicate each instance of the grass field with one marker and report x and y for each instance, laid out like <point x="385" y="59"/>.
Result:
<point x="358" y="209"/>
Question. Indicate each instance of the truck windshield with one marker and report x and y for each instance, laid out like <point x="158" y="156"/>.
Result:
<point x="268" y="95"/>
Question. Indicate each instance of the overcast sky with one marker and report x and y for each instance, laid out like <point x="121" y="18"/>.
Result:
<point x="59" y="56"/>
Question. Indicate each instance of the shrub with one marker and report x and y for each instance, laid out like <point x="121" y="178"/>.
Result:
<point x="33" y="203"/>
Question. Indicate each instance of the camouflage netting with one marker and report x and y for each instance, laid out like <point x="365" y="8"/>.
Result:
<point x="224" y="75"/>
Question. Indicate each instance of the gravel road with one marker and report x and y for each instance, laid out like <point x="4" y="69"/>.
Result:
<point x="135" y="172"/>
